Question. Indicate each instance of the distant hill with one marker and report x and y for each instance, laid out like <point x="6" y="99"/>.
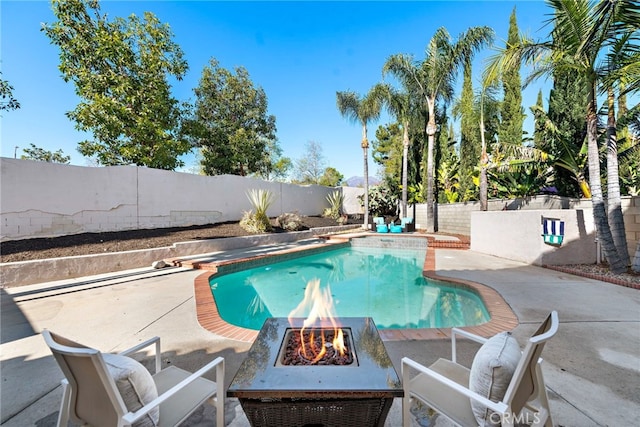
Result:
<point x="358" y="181"/>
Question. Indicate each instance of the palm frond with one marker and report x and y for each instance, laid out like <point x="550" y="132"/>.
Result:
<point x="630" y="151"/>
<point x="348" y="105"/>
<point x="404" y="68"/>
<point x="631" y="118"/>
<point x="621" y="67"/>
<point x="370" y="106"/>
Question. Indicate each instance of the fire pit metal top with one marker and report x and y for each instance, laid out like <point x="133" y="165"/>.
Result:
<point x="261" y="376"/>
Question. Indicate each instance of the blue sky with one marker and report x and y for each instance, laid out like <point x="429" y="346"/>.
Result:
<point x="300" y="53"/>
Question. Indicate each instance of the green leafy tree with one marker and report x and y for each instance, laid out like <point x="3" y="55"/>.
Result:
<point x="42" y="155"/>
<point x="230" y="124"/>
<point x="512" y="113"/>
<point x="331" y="178"/>
<point x="274" y="167"/>
<point x="446" y="147"/>
<point x="487" y="109"/>
<point x="281" y="169"/>
<point x="469" y="131"/>
<point x="566" y="111"/>
<point x="582" y="32"/>
<point x="556" y="148"/>
<point x="7" y="101"/>
<point x="433" y="78"/>
<point x="361" y="109"/>
<point x="387" y="151"/>
<point x="310" y="167"/>
<point x="120" y="69"/>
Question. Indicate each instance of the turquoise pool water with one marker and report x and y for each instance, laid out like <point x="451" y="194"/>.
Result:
<point x="385" y="284"/>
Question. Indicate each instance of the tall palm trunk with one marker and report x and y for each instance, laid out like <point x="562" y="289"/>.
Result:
<point x="599" y="211"/>
<point x="365" y="151"/>
<point x="431" y="131"/>
<point x="616" y="220"/>
<point x="405" y="167"/>
<point x="484" y="159"/>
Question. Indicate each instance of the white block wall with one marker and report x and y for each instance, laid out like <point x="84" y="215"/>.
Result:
<point x="517" y="235"/>
<point x="40" y="199"/>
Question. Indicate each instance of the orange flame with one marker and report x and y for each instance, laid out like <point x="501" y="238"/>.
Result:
<point x="317" y="305"/>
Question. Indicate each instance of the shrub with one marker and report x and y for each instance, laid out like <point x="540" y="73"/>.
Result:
<point x="289" y="221"/>
<point x="334" y="210"/>
<point x="382" y="201"/>
<point x="258" y="221"/>
<point x="250" y="222"/>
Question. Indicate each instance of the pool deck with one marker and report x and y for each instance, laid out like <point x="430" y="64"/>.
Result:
<point x="591" y="368"/>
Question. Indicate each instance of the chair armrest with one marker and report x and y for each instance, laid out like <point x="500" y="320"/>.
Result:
<point x="465" y="334"/>
<point x="147" y="343"/>
<point x="495" y="406"/>
<point x="217" y="363"/>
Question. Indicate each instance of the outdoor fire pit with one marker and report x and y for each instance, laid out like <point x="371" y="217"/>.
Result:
<point x="317" y="376"/>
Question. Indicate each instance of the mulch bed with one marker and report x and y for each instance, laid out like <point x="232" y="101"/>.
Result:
<point x="118" y="241"/>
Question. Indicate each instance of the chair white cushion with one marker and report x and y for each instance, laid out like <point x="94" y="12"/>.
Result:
<point x="135" y="384"/>
<point x="491" y="372"/>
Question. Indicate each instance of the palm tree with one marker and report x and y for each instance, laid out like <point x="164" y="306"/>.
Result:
<point x="581" y="32"/>
<point x="361" y="110"/>
<point x="616" y="64"/>
<point x="398" y="103"/>
<point x="433" y="78"/>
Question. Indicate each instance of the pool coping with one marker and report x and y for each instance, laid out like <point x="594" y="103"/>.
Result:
<point x="502" y="317"/>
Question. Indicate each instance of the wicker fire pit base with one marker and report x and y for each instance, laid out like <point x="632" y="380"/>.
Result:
<point x="316" y="412"/>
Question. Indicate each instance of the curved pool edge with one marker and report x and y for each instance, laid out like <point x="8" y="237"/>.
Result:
<point x="502" y="317"/>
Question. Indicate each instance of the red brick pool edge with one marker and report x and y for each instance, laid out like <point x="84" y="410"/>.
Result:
<point x="502" y="317"/>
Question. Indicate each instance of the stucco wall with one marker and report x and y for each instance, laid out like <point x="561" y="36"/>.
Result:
<point x="41" y="199"/>
<point x="517" y="235"/>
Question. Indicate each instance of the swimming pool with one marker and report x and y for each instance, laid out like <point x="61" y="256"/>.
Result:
<point x="383" y="283"/>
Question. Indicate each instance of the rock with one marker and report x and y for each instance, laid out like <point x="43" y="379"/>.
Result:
<point x="159" y="264"/>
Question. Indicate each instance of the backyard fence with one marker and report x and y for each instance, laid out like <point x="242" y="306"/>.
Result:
<point x="42" y="199"/>
<point x="46" y="199"/>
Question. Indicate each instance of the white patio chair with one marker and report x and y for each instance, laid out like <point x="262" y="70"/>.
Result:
<point x="445" y="385"/>
<point x="103" y="389"/>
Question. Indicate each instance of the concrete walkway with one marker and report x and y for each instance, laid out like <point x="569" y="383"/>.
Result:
<point x="592" y="367"/>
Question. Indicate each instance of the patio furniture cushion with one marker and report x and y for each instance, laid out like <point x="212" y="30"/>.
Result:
<point x="491" y="372"/>
<point x="384" y="228"/>
<point x="135" y="384"/>
<point x="395" y="228"/>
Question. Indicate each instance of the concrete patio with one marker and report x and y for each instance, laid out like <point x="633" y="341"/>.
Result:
<point x="592" y="366"/>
